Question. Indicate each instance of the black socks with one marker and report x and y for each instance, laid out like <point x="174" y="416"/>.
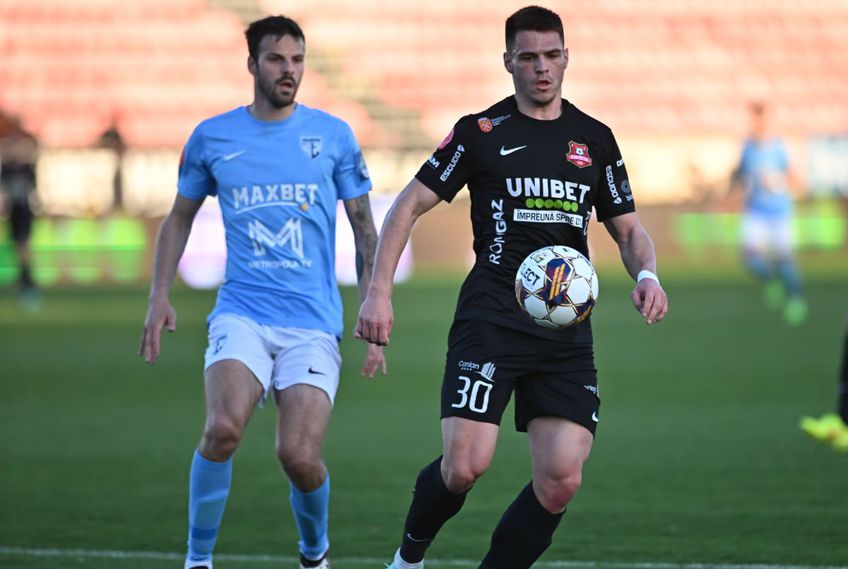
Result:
<point x="432" y="505"/>
<point x="523" y="534"/>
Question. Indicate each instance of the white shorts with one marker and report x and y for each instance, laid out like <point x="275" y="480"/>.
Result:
<point x="765" y="234"/>
<point x="278" y="357"/>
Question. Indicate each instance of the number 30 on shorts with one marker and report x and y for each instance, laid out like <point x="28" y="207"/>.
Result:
<point x="478" y="398"/>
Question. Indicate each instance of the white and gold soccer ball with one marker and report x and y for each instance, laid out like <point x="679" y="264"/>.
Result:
<point x="556" y="286"/>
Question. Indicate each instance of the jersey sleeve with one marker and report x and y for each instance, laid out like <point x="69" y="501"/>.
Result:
<point x="449" y="167"/>
<point x="613" y="195"/>
<point x="195" y="181"/>
<point x="351" y="173"/>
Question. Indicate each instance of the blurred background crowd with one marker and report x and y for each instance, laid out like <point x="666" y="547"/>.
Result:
<point x="97" y="98"/>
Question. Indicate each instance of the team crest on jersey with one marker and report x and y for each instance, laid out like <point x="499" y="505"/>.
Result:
<point x="446" y="140"/>
<point x="485" y="124"/>
<point x="578" y="154"/>
<point x="311" y="145"/>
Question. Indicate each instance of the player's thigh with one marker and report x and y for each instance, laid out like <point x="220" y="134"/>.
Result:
<point x="238" y="368"/>
<point x="564" y="385"/>
<point x="303" y="416"/>
<point x="232" y="392"/>
<point x="558" y="447"/>
<point x="468" y="446"/>
<point x="783" y="236"/>
<point x="479" y="372"/>
<point x="755" y="234"/>
<point x="306" y="357"/>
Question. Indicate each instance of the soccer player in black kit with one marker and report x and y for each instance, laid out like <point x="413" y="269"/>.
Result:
<point x="535" y="167"/>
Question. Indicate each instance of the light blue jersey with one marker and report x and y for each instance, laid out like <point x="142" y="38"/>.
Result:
<point x="277" y="183"/>
<point x="763" y="170"/>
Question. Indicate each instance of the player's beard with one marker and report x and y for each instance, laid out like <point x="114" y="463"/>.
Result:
<point x="269" y="89"/>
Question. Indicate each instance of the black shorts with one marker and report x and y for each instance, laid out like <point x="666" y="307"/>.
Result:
<point x="20" y="222"/>
<point x="486" y="363"/>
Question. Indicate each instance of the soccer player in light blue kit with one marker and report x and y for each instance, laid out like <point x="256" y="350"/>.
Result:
<point x="768" y="236"/>
<point x="277" y="168"/>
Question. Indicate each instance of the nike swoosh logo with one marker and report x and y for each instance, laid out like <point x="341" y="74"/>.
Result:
<point x="316" y="372"/>
<point x="229" y="157"/>
<point x="508" y="151"/>
<point x="410" y="538"/>
<point x="595" y="416"/>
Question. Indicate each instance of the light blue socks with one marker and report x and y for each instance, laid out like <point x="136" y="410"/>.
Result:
<point x="311" y="514"/>
<point x="208" y="490"/>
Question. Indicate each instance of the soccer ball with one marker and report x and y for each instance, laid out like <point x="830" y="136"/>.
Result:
<point x="556" y="286"/>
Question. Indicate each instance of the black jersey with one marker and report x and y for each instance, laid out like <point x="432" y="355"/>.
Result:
<point x="532" y="183"/>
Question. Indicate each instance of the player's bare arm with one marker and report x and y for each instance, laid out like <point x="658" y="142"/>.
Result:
<point x="640" y="260"/>
<point x="365" y="238"/>
<point x="375" y="316"/>
<point x="170" y="244"/>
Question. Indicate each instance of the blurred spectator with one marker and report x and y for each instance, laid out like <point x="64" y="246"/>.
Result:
<point x="18" y="153"/>
<point x="112" y="140"/>
<point x="765" y="177"/>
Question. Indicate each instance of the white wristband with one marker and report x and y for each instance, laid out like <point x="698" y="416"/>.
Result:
<point x="645" y="274"/>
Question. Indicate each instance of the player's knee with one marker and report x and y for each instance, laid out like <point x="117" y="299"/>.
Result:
<point x="220" y="439"/>
<point x="300" y="464"/>
<point x="555" y="492"/>
<point x="460" y="476"/>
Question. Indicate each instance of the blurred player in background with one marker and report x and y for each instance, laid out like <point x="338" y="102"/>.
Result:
<point x="278" y="169"/>
<point x="768" y="237"/>
<point x="832" y="428"/>
<point x="529" y="145"/>
<point x="18" y="154"/>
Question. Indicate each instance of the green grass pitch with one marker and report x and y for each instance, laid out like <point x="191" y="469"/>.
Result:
<point x="698" y="459"/>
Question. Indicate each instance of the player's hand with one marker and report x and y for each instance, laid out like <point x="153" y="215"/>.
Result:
<point x="650" y="300"/>
<point x="374" y="360"/>
<point x="375" y="321"/>
<point x="160" y="314"/>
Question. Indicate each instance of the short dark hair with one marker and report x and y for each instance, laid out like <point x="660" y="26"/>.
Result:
<point x="277" y="26"/>
<point x="535" y="19"/>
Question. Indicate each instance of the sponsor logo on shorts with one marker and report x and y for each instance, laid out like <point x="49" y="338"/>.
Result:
<point x="219" y="344"/>
<point x="592" y="388"/>
<point x="578" y="154"/>
<point x="488" y="371"/>
<point x="595" y="416"/>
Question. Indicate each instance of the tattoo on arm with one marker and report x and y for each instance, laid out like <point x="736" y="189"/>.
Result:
<point x="365" y="234"/>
